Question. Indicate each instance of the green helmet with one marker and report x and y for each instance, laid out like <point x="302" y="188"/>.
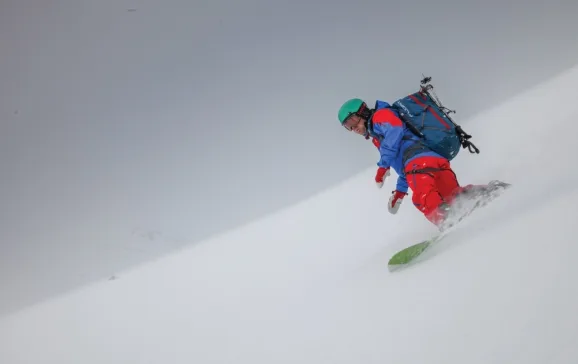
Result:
<point x="349" y="107"/>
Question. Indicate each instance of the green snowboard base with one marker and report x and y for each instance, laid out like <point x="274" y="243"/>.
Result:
<point x="406" y="256"/>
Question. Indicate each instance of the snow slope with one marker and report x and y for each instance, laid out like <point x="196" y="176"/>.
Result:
<point x="310" y="284"/>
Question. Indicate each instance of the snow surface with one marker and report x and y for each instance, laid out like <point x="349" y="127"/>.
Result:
<point x="310" y="284"/>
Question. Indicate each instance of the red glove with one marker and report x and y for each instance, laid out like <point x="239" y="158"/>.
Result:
<point x="380" y="176"/>
<point x="395" y="201"/>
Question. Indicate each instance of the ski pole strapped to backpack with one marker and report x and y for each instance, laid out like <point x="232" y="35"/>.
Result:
<point x="429" y="120"/>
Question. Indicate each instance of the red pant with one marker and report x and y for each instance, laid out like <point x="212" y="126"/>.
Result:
<point x="432" y="182"/>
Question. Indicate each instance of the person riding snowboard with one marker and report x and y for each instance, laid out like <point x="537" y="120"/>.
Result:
<point x="429" y="175"/>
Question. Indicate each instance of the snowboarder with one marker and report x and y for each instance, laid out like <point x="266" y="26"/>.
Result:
<point x="429" y="175"/>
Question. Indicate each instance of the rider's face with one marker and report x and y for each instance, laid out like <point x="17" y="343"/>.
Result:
<point x="356" y="124"/>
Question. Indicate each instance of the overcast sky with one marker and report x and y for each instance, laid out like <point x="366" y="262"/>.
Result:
<point x="191" y="117"/>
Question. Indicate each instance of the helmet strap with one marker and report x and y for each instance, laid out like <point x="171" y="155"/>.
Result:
<point x="367" y="114"/>
<point x="364" y="112"/>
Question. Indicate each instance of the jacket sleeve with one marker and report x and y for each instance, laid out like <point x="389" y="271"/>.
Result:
<point x="386" y="123"/>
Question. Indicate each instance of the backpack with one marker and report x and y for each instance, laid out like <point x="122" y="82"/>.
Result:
<point x="429" y="120"/>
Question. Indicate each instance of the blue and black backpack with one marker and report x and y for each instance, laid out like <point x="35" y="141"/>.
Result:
<point x="425" y="116"/>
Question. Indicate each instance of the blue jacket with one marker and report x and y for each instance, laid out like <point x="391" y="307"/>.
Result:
<point x="393" y="140"/>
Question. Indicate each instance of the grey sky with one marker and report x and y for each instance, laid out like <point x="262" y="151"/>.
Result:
<point x="193" y="117"/>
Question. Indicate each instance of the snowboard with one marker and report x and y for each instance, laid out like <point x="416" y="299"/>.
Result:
<point x="462" y="207"/>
